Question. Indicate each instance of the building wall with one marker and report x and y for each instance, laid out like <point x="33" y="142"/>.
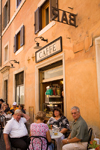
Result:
<point x="79" y="51"/>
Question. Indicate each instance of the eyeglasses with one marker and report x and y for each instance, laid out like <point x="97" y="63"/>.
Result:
<point x="74" y="113"/>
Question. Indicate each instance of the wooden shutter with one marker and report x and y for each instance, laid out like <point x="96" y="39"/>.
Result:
<point x="4" y="17"/>
<point x="8" y="11"/>
<point x="37" y="20"/>
<point x="22" y="36"/>
<point x="15" y="43"/>
<point x="53" y="3"/>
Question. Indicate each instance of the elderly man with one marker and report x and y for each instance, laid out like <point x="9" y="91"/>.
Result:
<point x="78" y="138"/>
<point x="17" y="131"/>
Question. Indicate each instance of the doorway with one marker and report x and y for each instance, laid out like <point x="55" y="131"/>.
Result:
<point x="38" y="68"/>
<point x="19" y="89"/>
<point x="51" y="77"/>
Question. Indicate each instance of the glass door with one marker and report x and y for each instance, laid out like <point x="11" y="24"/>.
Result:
<point x="20" y="94"/>
<point x="19" y="91"/>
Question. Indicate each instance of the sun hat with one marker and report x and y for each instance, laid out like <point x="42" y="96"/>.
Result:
<point x="14" y="103"/>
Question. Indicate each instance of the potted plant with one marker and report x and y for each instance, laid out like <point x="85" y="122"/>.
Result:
<point x="93" y="145"/>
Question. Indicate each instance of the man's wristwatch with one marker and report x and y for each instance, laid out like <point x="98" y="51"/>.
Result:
<point x="67" y="141"/>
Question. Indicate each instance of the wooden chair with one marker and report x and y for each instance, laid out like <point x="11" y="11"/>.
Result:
<point x="32" y="138"/>
<point x="90" y="136"/>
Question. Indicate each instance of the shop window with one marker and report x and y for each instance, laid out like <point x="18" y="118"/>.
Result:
<point x="51" y="77"/>
<point x="43" y="14"/>
<point x="19" y="90"/>
<point x="18" y="2"/>
<point x="6" y="53"/>
<point x="6" y="14"/>
<point x="53" y="73"/>
<point x="19" y="39"/>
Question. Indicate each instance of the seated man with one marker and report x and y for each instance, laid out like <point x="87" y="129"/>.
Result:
<point x="13" y="108"/>
<point x="78" y="138"/>
<point x="17" y="131"/>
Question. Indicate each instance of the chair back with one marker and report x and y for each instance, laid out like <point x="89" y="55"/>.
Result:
<point x="32" y="138"/>
<point x="2" y="120"/>
<point x="90" y="134"/>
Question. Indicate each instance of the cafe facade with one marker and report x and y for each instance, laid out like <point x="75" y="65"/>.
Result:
<point x="50" y="46"/>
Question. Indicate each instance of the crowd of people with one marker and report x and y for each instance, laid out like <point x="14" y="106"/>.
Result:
<point x="5" y="109"/>
<point x="16" y="132"/>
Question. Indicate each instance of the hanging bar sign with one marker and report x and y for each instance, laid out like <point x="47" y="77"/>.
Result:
<point x="63" y="17"/>
<point x="51" y="49"/>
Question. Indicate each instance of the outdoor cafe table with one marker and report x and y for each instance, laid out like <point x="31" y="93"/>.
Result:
<point x="54" y="137"/>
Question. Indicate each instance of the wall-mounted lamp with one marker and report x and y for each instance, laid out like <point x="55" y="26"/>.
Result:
<point x="12" y="66"/>
<point x="15" y="61"/>
<point x="37" y="43"/>
<point x="37" y="46"/>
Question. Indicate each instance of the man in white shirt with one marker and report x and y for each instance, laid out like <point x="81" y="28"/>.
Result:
<point x="17" y="131"/>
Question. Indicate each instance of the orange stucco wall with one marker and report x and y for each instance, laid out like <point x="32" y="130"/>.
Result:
<point x="78" y="46"/>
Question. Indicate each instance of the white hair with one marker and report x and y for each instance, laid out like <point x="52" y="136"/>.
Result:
<point x="75" y="107"/>
<point x="18" y="111"/>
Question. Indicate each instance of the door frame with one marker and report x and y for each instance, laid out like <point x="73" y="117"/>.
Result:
<point x="41" y="65"/>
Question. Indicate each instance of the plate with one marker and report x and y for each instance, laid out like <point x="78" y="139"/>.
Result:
<point x="56" y="136"/>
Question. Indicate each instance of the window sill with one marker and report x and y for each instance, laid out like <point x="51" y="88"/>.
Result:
<point x="18" y="51"/>
<point x="51" y="24"/>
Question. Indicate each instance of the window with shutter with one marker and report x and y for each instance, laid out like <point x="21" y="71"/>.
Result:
<point x="18" y="2"/>
<point x="53" y="3"/>
<point x="19" y="39"/>
<point x="6" y="51"/>
<point x="22" y="34"/>
<point x="37" y="20"/>
<point x="43" y="14"/>
<point x="6" y="14"/>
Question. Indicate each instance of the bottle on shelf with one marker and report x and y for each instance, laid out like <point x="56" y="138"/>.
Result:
<point x="49" y="91"/>
<point x="54" y="90"/>
<point x="58" y="90"/>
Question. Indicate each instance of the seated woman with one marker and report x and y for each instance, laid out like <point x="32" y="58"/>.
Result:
<point x="40" y="129"/>
<point x="60" y="121"/>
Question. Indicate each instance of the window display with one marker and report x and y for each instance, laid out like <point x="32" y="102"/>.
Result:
<point x="51" y="87"/>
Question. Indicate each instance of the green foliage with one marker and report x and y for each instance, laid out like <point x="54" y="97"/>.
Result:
<point x="93" y="144"/>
